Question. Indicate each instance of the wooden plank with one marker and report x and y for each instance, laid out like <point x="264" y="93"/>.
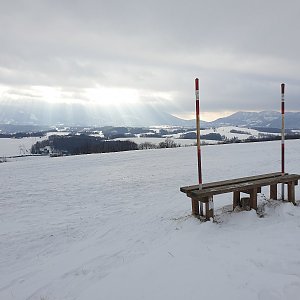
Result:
<point x="236" y="199"/>
<point x="291" y="192"/>
<point x="249" y="191"/>
<point x="202" y="199"/>
<point x="273" y="191"/>
<point x="241" y="186"/>
<point x="186" y="189"/>
<point x="195" y="207"/>
<point x="253" y="198"/>
<point x="209" y="210"/>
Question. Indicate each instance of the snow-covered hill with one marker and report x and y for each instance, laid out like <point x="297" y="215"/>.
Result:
<point x="115" y="226"/>
<point x="271" y="119"/>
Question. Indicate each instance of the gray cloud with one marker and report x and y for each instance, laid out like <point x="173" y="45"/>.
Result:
<point x="240" y="50"/>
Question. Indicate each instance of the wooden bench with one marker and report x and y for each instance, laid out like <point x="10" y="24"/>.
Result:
<point x="250" y="185"/>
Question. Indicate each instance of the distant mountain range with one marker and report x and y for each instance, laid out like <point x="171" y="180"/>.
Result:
<point x="271" y="119"/>
<point x="39" y="113"/>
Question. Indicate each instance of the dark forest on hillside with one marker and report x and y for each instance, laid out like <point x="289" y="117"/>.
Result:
<point x="82" y="144"/>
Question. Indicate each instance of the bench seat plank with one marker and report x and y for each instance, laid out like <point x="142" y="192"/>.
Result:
<point x="190" y="188"/>
<point x="239" y="187"/>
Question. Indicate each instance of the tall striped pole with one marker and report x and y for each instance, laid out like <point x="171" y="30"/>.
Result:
<point x="282" y="137"/>
<point x="198" y="139"/>
<point x="198" y="133"/>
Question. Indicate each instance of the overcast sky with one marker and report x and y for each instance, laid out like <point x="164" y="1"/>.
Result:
<point x="128" y="52"/>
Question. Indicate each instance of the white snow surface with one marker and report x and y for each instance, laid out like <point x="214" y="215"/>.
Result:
<point x="116" y="226"/>
<point x="243" y="134"/>
<point x="14" y="147"/>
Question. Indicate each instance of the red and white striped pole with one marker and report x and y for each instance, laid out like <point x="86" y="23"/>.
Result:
<point x="282" y="137"/>
<point x="198" y="132"/>
<point x="198" y="139"/>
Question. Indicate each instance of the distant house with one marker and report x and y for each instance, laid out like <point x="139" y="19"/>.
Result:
<point x="57" y="153"/>
<point x="45" y="150"/>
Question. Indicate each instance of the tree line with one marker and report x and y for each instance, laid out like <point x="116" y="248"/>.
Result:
<point x="81" y="144"/>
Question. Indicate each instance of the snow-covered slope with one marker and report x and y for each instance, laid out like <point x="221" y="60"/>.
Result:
<point x="115" y="226"/>
<point x="228" y="133"/>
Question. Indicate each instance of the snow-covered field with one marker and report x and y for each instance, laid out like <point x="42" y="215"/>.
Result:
<point x="115" y="226"/>
<point x="231" y="132"/>
<point x="14" y="147"/>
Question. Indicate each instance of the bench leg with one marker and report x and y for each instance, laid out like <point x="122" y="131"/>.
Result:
<point x="291" y="192"/>
<point x="195" y="207"/>
<point x="253" y="198"/>
<point x="209" y="209"/>
<point x="201" y="209"/>
<point x="236" y="199"/>
<point x="273" y="191"/>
